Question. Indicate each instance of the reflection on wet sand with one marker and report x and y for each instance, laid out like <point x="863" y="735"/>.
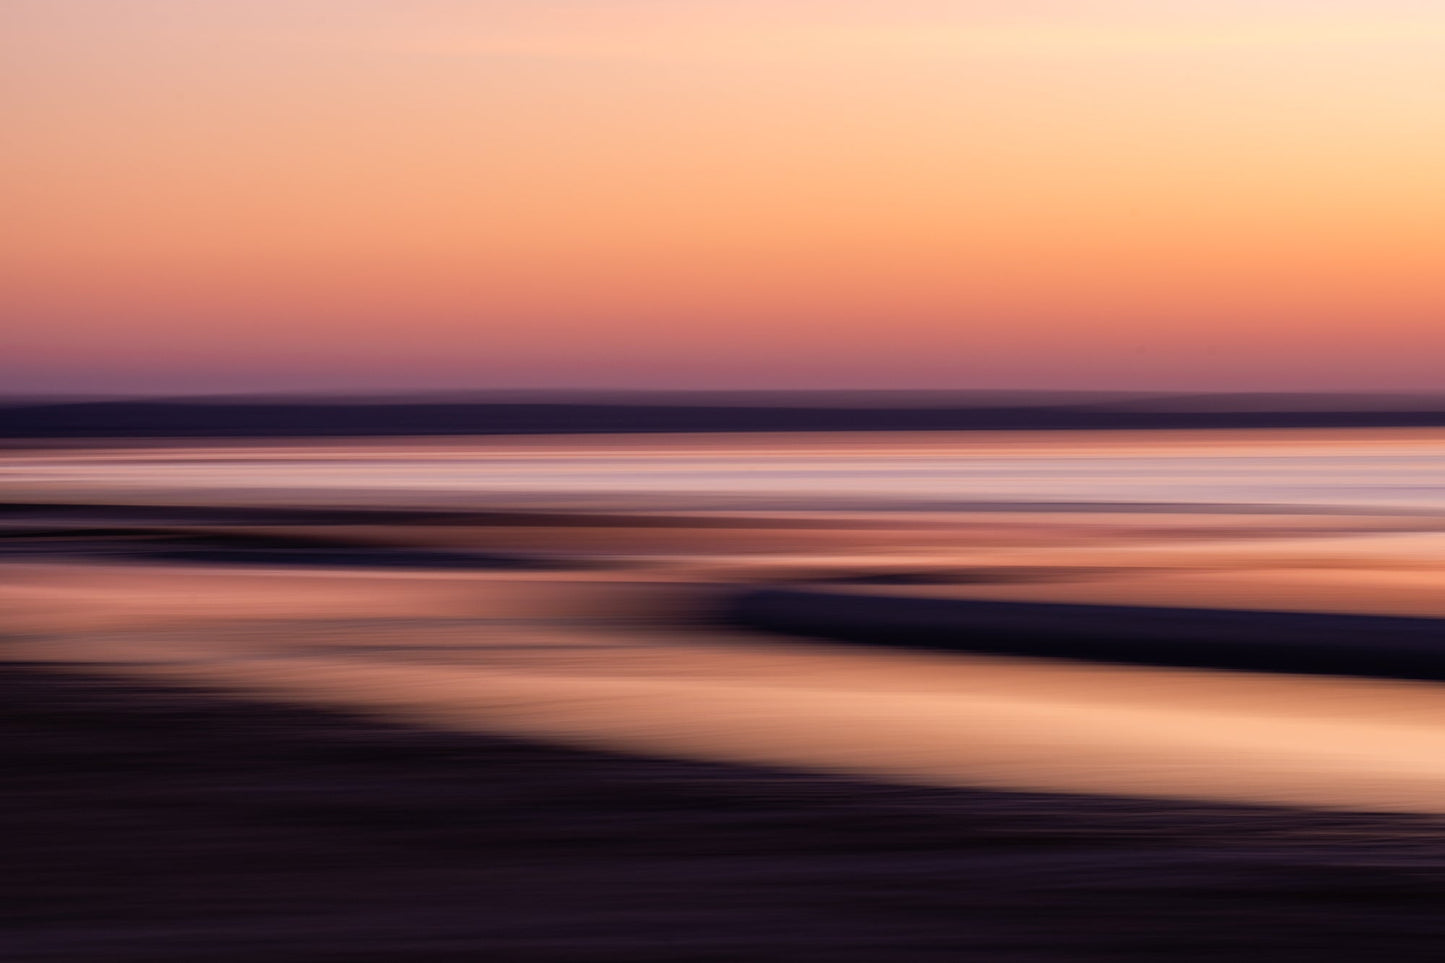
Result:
<point x="610" y="661"/>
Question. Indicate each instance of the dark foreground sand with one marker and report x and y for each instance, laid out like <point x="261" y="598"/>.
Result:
<point x="150" y="824"/>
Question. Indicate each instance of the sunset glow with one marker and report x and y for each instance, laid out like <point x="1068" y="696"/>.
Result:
<point x="723" y="193"/>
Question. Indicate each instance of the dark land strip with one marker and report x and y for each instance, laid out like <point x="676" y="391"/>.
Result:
<point x="251" y="548"/>
<point x="1316" y="643"/>
<point x="277" y="419"/>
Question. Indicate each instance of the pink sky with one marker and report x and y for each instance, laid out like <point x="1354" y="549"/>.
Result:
<point x="327" y="194"/>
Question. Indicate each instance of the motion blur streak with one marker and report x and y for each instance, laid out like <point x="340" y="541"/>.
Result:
<point x="599" y="566"/>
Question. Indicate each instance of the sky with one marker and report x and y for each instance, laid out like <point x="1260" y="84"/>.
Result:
<point x="239" y="195"/>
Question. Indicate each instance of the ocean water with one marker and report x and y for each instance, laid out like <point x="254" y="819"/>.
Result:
<point x="1310" y="471"/>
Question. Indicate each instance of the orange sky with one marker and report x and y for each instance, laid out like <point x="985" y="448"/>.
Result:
<point x="208" y="195"/>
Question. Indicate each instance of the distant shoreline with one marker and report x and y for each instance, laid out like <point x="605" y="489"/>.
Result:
<point x="305" y="419"/>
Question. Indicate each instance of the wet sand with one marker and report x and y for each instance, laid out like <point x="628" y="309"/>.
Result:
<point x="153" y="824"/>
